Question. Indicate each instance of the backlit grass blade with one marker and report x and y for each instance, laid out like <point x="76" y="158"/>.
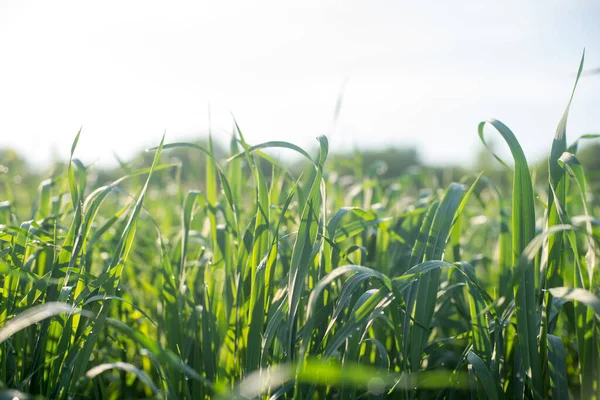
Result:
<point x="480" y="329"/>
<point x="570" y="163"/>
<point x="126" y="367"/>
<point x="258" y="269"/>
<point x="490" y="386"/>
<point x="34" y="315"/>
<point x="316" y="292"/>
<point x="505" y="254"/>
<point x="554" y="257"/>
<point x="78" y="358"/>
<point x="214" y="309"/>
<point x="303" y="251"/>
<point x="276" y="310"/>
<point x="272" y="144"/>
<point x="557" y="366"/>
<point x="61" y="267"/>
<point x="582" y="296"/>
<point x="523" y="231"/>
<point x="417" y="254"/>
<point x="575" y="145"/>
<point x="42" y="207"/>
<point x="423" y="297"/>
<point x="165" y="357"/>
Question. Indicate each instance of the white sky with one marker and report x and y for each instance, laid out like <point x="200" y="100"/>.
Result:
<point x="421" y="73"/>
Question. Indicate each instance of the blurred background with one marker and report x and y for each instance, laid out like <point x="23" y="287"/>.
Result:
<point x="411" y="78"/>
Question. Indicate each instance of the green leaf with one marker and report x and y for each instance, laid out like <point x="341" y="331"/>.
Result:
<point x="577" y="294"/>
<point x="490" y="385"/>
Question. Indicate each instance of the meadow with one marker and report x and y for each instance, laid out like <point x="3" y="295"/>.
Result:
<point x="257" y="282"/>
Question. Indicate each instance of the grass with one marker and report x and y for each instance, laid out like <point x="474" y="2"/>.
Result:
<point x="320" y="286"/>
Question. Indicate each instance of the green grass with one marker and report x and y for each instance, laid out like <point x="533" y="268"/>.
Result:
<point x="258" y="283"/>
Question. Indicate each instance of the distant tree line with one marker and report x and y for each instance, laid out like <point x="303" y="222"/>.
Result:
<point x="388" y="163"/>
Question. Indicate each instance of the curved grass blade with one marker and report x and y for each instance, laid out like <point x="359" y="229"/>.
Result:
<point x="34" y="315"/>
<point x="523" y="231"/>
<point x="304" y="247"/>
<point x="122" y="366"/>
<point x="316" y="292"/>
<point x="579" y="295"/>
<point x="273" y="144"/>
<point x="554" y="256"/>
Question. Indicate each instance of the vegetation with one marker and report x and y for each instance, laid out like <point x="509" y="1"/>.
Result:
<point x="342" y="282"/>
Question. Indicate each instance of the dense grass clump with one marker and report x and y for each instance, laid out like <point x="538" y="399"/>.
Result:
<point x="258" y="283"/>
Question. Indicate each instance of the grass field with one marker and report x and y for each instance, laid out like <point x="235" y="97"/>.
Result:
<point x="328" y="285"/>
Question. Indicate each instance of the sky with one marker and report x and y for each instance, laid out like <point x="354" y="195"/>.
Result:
<point x="412" y="73"/>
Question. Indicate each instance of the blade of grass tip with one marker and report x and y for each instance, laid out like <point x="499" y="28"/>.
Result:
<point x="425" y="295"/>
<point x="77" y="184"/>
<point x="338" y="108"/>
<point x="66" y="257"/>
<point x="43" y="202"/>
<point x="252" y="258"/>
<point x="302" y="253"/>
<point x="71" y="174"/>
<point x="523" y="230"/>
<point x="232" y="218"/>
<point x="214" y="275"/>
<point x="211" y="198"/>
<point x="356" y="227"/>
<point x="175" y="145"/>
<point x="553" y="261"/>
<point x="570" y="163"/>
<point x="5" y="211"/>
<point x="78" y="358"/>
<point x="272" y="144"/>
<point x="257" y="269"/>
<point x="575" y="145"/>
<point x="234" y="171"/>
<point x="557" y="182"/>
